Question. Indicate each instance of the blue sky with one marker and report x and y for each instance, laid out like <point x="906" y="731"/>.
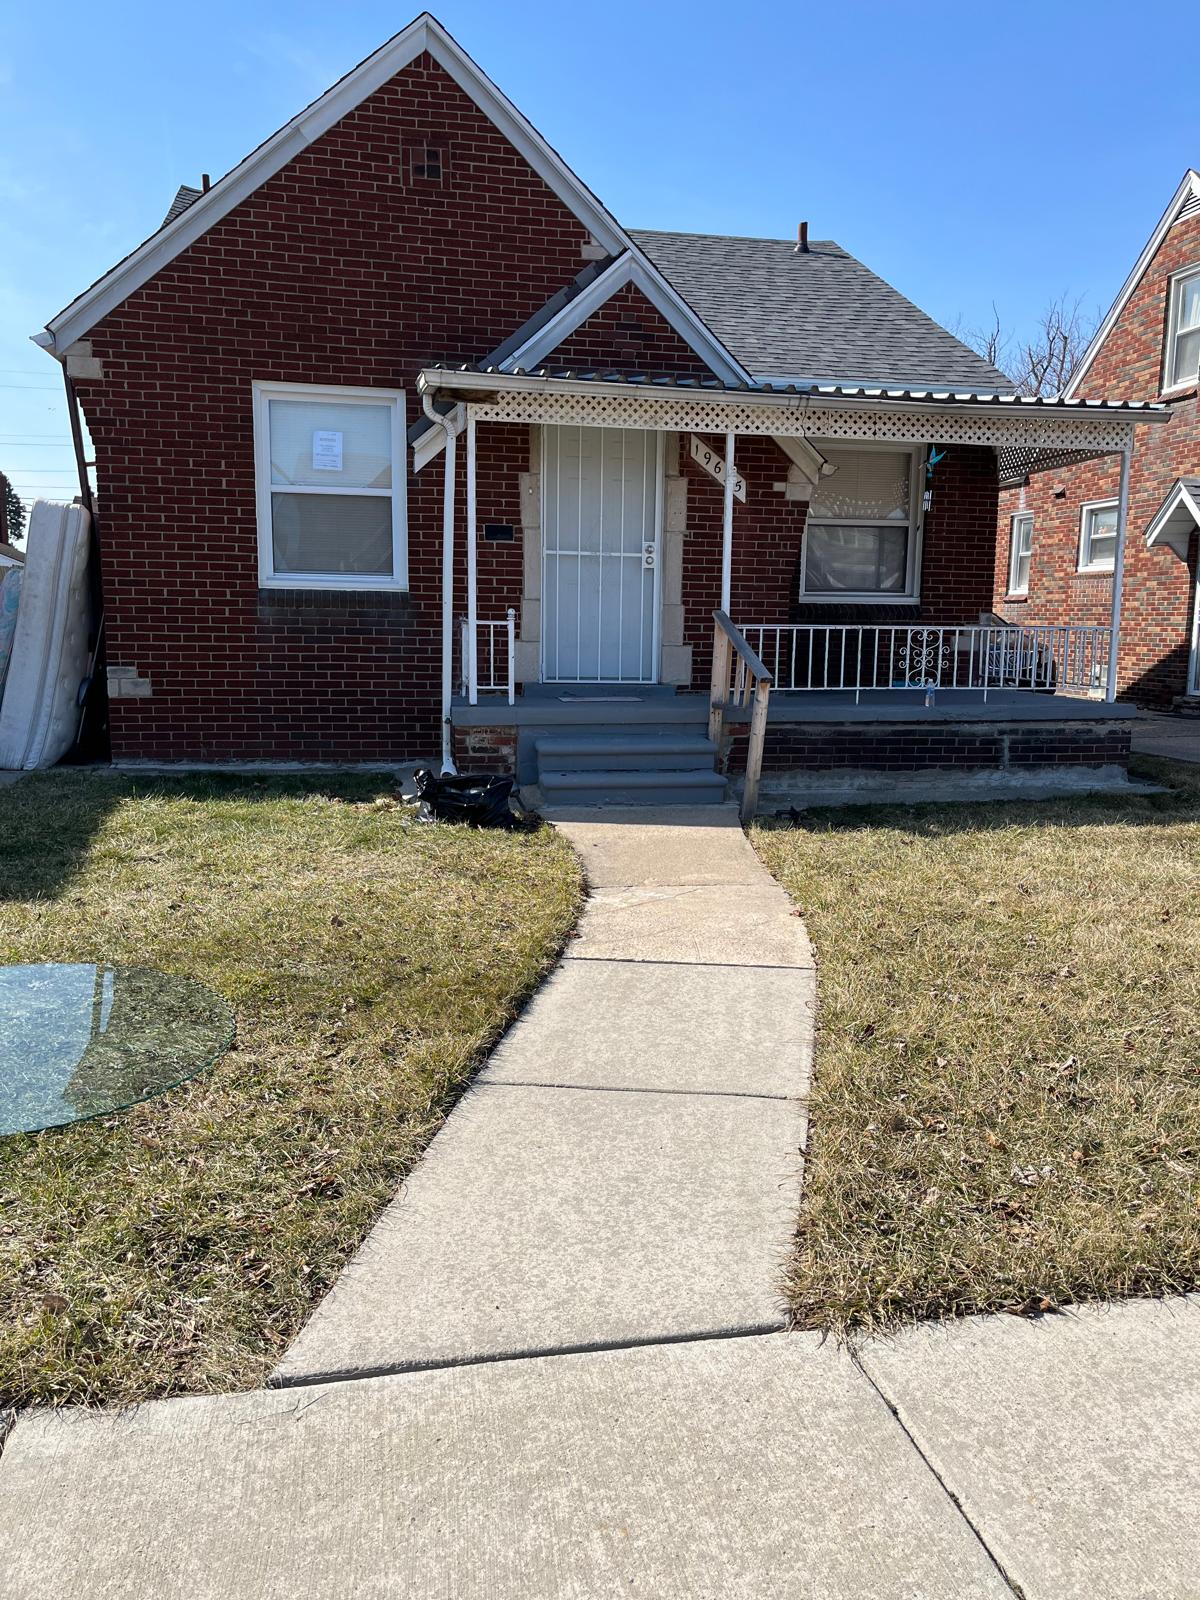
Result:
<point x="970" y="154"/>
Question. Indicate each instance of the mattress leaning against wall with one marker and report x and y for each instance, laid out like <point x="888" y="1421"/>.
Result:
<point x="39" y="713"/>
<point x="10" y="600"/>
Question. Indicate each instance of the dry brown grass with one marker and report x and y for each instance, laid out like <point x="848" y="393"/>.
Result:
<point x="1006" y="1106"/>
<point x="178" y="1246"/>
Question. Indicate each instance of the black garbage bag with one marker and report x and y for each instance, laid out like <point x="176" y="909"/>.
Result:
<point x="480" y="799"/>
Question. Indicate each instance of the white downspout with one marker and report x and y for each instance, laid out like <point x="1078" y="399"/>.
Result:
<point x="1110" y="692"/>
<point x="447" y="582"/>
<point x="727" y="529"/>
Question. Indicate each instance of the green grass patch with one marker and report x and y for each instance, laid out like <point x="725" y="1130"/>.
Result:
<point x="1006" y="1104"/>
<point x="371" y="961"/>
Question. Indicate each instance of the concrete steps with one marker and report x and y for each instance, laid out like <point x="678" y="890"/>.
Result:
<point x="637" y="767"/>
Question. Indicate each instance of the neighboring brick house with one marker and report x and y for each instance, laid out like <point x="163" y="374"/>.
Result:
<point x="1146" y="348"/>
<point x="399" y="377"/>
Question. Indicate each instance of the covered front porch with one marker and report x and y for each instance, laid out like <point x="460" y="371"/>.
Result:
<point x="753" y="564"/>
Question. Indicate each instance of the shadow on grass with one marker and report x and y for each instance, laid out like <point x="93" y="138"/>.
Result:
<point x="1179" y="802"/>
<point x="49" y="821"/>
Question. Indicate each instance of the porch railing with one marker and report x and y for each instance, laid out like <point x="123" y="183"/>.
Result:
<point x="489" y="661"/>
<point x="739" y="679"/>
<point x="836" y="657"/>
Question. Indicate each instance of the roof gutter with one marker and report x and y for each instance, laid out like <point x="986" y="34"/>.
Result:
<point x="470" y="385"/>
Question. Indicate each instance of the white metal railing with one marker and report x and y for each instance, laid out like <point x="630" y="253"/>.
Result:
<point x="837" y="657"/>
<point x="492" y="664"/>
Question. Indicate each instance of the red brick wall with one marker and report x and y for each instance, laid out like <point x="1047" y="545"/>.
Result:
<point x="957" y="563"/>
<point x="340" y="270"/>
<point x="960" y="536"/>
<point x="628" y="334"/>
<point x="1156" y="605"/>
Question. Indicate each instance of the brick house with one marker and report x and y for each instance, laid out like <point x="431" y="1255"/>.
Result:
<point x="1057" y="548"/>
<point x="404" y="445"/>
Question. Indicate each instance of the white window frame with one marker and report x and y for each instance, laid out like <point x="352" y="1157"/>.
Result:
<point x="1089" y="506"/>
<point x="329" y="394"/>
<point x="1014" y="551"/>
<point x="1174" y="310"/>
<point x="911" y="593"/>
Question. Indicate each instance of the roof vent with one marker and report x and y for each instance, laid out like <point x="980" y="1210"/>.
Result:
<point x="801" y="240"/>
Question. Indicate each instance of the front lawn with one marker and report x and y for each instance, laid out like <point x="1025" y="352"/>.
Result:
<point x="1006" y="1104"/>
<point x="370" y="961"/>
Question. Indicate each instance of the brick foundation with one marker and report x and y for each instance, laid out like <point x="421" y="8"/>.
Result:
<point x="920" y="746"/>
<point x="488" y="749"/>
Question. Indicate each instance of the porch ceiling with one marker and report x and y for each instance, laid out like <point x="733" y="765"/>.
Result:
<point x="1041" y="430"/>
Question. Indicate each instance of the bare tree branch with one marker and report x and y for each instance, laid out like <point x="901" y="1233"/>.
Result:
<point x="1044" y="362"/>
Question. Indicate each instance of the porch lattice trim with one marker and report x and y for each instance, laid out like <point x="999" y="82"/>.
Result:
<point x="1094" y="435"/>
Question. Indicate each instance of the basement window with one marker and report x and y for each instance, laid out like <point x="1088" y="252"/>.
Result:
<point x="1098" y="536"/>
<point x="330" y="486"/>
<point x="1182" y="368"/>
<point x="861" y="535"/>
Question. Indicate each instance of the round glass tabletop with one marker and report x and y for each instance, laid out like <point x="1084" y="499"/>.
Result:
<point x="79" y="1040"/>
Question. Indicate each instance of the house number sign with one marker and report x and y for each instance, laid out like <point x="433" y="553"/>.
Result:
<point x="714" y="465"/>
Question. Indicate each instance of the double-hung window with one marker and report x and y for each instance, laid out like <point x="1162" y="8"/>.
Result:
<point x="860" y="538"/>
<point x="330" y="474"/>
<point x="1098" y="536"/>
<point x="1020" y="552"/>
<point x="1182" y="366"/>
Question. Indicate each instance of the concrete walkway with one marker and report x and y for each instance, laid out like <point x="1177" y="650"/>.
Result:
<point x="626" y="1169"/>
<point x="1160" y="733"/>
<point x="625" y="1175"/>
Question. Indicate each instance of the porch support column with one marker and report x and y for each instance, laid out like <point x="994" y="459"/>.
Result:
<point x="471" y="665"/>
<point x="1110" y="692"/>
<point x="727" y="532"/>
<point x="447" y="428"/>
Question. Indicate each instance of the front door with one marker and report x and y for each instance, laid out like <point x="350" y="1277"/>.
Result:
<point x="601" y="512"/>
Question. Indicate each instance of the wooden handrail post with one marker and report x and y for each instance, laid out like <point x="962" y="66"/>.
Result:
<point x="722" y="650"/>
<point x="754" y="750"/>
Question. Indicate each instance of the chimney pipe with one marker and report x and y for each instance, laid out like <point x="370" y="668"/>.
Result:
<point x="802" y="240"/>
<point x="205" y="183"/>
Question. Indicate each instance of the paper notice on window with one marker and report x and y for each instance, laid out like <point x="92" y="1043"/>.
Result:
<point x="326" y="450"/>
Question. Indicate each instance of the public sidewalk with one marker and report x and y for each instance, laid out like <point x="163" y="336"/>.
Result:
<point x="557" y="1370"/>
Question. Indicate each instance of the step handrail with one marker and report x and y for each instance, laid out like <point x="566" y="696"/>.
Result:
<point x="739" y="677"/>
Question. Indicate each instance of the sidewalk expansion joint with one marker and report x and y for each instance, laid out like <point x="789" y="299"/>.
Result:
<point x="629" y="1088"/>
<point x="751" y="1330"/>
<point x="1013" y="1586"/>
<point x="655" y="961"/>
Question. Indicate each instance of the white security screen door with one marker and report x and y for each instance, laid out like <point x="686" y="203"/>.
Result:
<point x="601" y="511"/>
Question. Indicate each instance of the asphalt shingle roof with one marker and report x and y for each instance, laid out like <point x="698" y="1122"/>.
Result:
<point x="185" y="196"/>
<point x="820" y="316"/>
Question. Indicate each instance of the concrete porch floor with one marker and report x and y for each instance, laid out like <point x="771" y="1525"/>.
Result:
<point x="602" y="705"/>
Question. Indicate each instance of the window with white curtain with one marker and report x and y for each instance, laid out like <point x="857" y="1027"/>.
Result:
<point x="1020" y="552"/>
<point x="860" y="534"/>
<point x="1098" y="536"/>
<point x="330" y="476"/>
<point x="1182" y="367"/>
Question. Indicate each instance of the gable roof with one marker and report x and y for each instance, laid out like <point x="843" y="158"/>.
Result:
<point x="1178" y="516"/>
<point x="1184" y="202"/>
<point x="813" y="317"/>
<point x="189" y="222"/>
<point x="544" y="334"/>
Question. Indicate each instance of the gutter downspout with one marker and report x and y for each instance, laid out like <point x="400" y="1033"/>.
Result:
<point x="445" y="425"/>
<point x="1110" y="691"/>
